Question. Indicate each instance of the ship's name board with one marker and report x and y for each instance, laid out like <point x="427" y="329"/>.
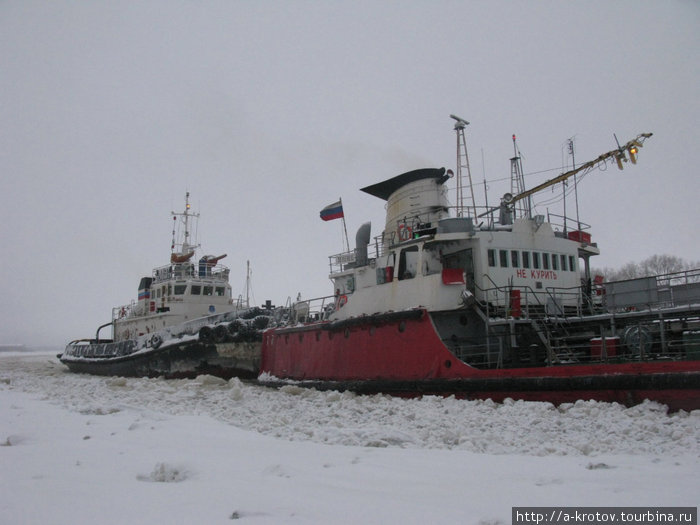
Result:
<point x="345" y="258"/>
<point x="536" y="274"/>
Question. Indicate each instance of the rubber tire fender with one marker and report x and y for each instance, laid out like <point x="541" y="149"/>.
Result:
<point x="156" y="340"/>
<point x="220" y="333"/>
<point x="206" y="334"/>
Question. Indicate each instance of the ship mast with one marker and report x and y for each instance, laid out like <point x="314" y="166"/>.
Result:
<point x="517" y="180"/>
<point x="185" y="216"/>
<point x="247" y="284"/>
<point x="570" y="145"/>
<point x="462" y="167"/>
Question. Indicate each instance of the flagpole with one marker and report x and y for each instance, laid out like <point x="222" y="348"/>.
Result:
<point x="345" y="228"/>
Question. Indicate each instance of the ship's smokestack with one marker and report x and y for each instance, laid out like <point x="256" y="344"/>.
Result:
<point x="414" y="199"/>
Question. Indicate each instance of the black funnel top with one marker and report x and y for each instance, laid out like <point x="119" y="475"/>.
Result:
<point x="384" y="189"/>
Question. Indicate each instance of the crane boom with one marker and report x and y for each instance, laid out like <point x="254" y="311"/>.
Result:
<point x="618" y="154"/>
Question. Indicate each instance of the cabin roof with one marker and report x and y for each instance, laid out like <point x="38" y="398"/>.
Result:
<point x="384" y="189"/>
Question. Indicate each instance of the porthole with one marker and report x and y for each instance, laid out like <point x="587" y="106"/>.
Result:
<point x="448" y="364"/>
<point x="402" y="326"/>
<point x="347" y="333"/>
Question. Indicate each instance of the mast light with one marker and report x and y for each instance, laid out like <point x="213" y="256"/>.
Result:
<point x="633" y="153"/>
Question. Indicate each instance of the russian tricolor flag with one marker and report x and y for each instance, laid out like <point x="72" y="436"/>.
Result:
<point x="332" y="211"/>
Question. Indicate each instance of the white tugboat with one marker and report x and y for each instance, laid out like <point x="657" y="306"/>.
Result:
<point x="184" y="322"/>
<point x="185" y="289"/>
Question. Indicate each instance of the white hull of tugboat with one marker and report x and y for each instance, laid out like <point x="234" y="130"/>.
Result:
<point x="184" y="322"/>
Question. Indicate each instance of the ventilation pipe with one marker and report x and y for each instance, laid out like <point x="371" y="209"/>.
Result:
<point x="361" y="243"/>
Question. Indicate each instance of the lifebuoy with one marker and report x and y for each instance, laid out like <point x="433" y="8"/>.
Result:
<point x="405" y="232"/>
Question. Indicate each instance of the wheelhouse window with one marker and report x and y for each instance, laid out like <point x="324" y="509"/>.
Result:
<point x="564" y="267"/>
<point x="208" y="290"/>
<point x="408" y="263"/>
<point x="545" y="261"/>
<point x="515" y="259"/>
<point x="572" y="263"/>
<point x="196" y="289"/>
<point x="220" y="291"/>
<point x="555" y="261"/>
<point x="431" y="262"/>
<point x="180" y="289"/>
<point x="492" y="257"/>
<point x="536" y="260"/>
<point x="526" y="259"/>
<point x="503" y="256"/>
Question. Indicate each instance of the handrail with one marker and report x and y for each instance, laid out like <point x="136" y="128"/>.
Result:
<point x="530" y="293"/>
<point x="580" y="225"/>
<point x="673" y="289"/>
<point x="190" y="270"/>
<point x="307" y="310"/>
<point x="682" y="277"/>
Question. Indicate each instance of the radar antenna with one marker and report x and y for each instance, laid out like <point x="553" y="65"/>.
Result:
<point x="463" y="170"/>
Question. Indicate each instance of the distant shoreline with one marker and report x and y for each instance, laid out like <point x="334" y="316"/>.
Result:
<point x="25" y="349"/>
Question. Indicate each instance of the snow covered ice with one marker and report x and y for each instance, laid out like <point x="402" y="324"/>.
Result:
<point x="80" y="448"/>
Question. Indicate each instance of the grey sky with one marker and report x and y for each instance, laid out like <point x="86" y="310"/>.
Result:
<point x="268" y="111"/>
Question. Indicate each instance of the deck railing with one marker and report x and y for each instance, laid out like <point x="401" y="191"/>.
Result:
<point x="307" y="310"/>
<point x="667" y="290"/>
<point x="215" y="273"/>
<point x="526" y="302"/>
<point x="671" y="290"/>
<point x="649" y="318"/>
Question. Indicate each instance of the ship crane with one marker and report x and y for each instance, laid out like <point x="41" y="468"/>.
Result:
<point x="619" y="154"/>
<point x="632" y="147"/>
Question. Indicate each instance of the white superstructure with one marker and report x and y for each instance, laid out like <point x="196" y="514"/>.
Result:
<point x="426" y="258"/>
<point x="505" y="259"/>
<point x="191" y="286"/>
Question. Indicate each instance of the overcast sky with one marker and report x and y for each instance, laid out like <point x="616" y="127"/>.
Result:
<point x="268" y="111"/>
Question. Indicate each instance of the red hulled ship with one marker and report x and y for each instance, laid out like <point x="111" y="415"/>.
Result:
<point x="489" y="304"/>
